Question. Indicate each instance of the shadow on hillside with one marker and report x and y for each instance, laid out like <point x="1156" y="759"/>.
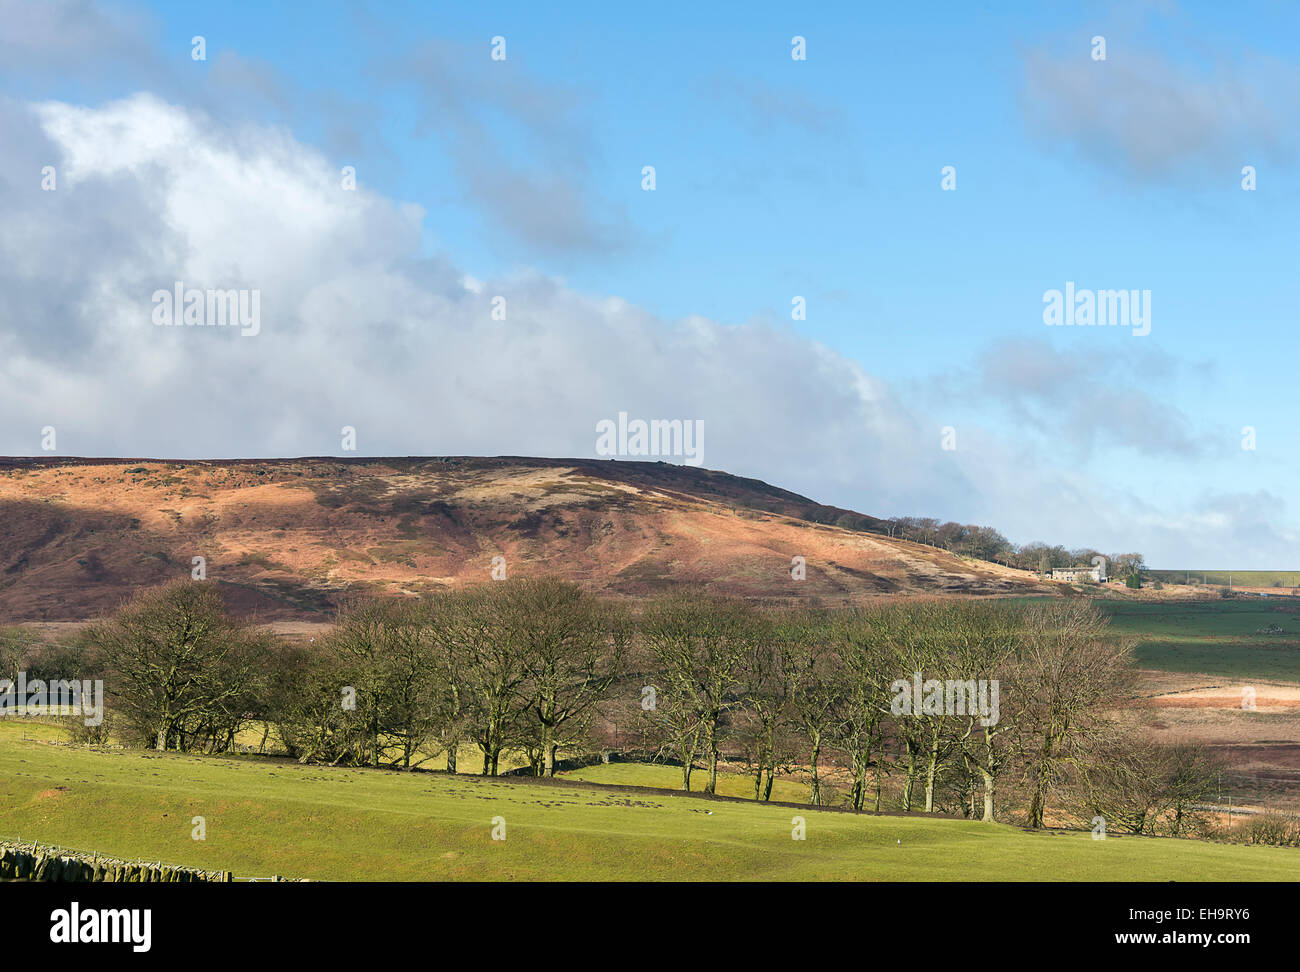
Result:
<point x="68" y="563"/>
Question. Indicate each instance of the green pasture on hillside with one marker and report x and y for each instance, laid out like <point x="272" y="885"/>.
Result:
<point x="267" y="817"/>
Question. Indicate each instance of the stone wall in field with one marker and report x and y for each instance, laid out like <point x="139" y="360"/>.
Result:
<point x="37" y="862"/>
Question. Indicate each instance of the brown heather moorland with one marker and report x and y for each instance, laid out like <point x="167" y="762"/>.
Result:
<point x="286" y="537"/>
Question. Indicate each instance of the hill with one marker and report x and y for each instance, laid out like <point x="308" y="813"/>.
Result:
<point x="286" y="537"/>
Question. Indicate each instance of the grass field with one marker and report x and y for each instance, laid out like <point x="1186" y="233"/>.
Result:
<point x="1235" y="578"/>
<point x="670" y="778"/>
<point x="267" y="818"/>
<point x="1214" y="637"/>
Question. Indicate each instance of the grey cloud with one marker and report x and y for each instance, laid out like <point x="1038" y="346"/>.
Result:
<point x="1088" y="399"/>
<point x="237" y="76"/>
<point x="114" y="48"/>
<point x="762" y="107"/>
<point x="72" y="38"/>
<point x="64" y="250"/>
<point x="1252" y="523"/>
<point x="482" y="109"/>
<point x="1152" y="119"/>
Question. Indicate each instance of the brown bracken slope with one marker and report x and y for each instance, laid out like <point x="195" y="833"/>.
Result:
<point x="287" y="537"/>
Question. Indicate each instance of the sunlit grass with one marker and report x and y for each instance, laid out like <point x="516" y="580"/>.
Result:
<point x="267" y="817"/>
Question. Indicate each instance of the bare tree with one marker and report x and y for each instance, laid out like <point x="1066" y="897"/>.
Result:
<point x="862" y="705"/>
<point x="449" y="660"/>
<point x="573" y="648"/>
<point x="363" y="641"/>
<point x="762" y="730"/>
<point x="173" y="658"/>
<point x="478" y="626"/>
<point x="16" y="647"/>
<point x="700" y="645"/>
<point x="675" y="724"/>
<point x="903" y="642"/>
<point x="411" y="715"/>
<point x="1124" y="779"/>
<point x="984" y="643"/>
<point x="812" y="669"/>
<point x="1070" y="671"/>
<point x="1192" y="774"/>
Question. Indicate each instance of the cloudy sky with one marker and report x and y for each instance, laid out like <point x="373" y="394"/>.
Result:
<point x="129" y="165"/>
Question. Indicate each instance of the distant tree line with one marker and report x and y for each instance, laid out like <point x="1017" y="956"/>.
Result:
<point x="986" y="543"/>
<point x="960" y="706"/>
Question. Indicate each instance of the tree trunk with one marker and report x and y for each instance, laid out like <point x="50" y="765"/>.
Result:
<point x="711" y="747"/>
<point x="545" y="763"/>
<point x="911" y="777"/>
<point x="1038" y="805"/>
<point x="878" y="775"/>
<point x="1036" y="809"/>
<point x="860" y="779"/>
<point x="932" y="766"/>
<point x="816" y="796"/>
<point x="454" y="744"/>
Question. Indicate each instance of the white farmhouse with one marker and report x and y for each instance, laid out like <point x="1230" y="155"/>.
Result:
<point x="1073" y="574"/>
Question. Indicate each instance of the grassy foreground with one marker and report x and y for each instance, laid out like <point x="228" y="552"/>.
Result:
<point x="267" y="818"/>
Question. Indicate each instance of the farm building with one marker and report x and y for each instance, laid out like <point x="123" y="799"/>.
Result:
<point x="1095" y="572"/>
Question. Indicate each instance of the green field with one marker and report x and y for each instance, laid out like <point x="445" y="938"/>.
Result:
<point x="670" y="778"/>
<point x="266" y="817"/>
<point x="1216" y="637"/>
<point x="1224" y="578"/>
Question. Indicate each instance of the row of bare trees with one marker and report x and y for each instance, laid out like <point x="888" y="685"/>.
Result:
<point x="942" y="705"/>
<point x="522" y="666"/>
<point x="782" y="689"/>
<point x="518" y="666"/>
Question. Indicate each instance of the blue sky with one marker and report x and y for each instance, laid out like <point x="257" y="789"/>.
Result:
<point x="818" y="178"/>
